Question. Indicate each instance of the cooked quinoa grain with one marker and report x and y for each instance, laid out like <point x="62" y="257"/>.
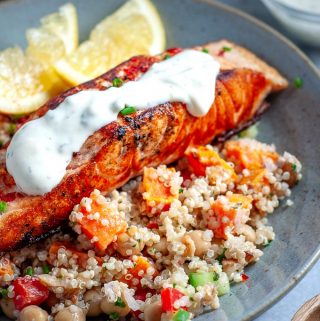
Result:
<point x="166" y="244"/>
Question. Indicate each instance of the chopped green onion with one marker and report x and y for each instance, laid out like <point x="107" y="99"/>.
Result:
<point x="205" y="50"/>
<point x="114" y="316"/>
<point x="294" y="167"/>
<point x="298" y="82"/>
<point x="127" y="110"/>
<point x="29" y="271"/>
<point x="11" y="129"/>
<point x="120" y="303"/>
<point x="117" y="82"/>
<point x="225" y="48"/>
<point x="181" y="315"/>
<point x="45" y="269"/>
<point x="221" y="256"/>
<point x="4" y="293"/>
<point x="180" y="190"/>
<point x="3" y="206"/>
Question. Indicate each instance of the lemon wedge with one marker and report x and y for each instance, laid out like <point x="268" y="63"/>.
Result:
<point x="56" y="37"/>
<point x="134" y="29"/>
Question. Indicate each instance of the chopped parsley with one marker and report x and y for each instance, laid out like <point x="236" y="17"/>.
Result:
<point x="294" y="167"/>
<point x="3" y="293"/>
<point x="298" y="82"/>
<point x="3" y="206"/>
<point x="45" y="269"/>
<point x="120" y="303"/>
<point x="221" y="256"/>
<point x="1" y="143"/>
<point x="29" y="271"/>
<point x="215" y="276"/>
<point x="226" y="49"/>
<point x="180" y="190"/>
<point x="11" y="129"/>
<point x="205" y="50"/>
<point x="117" y="82"/>
<point x="267" y="244"/>
<point x="166" y="57"/>
<point x="114" y="316"/>
<point x="128" y="110"/>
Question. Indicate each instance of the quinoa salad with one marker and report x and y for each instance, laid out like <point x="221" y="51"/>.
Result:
<point x="163" y="247"/>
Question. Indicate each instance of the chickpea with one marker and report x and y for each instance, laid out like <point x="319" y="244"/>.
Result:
<point x="190" y="247"/>
<point x="153" y="311"/>
<point x="93" y="297"/>
<point x="7" y="307"/>
<point x="71" y="313"/>
<point x="248" y="232"/>
<point x="128" y="246"/>
<point x="162" y="246"/>
<point x="32" y="313"/>
<point x="111" y="307"/>
<point x="200" y="244"/>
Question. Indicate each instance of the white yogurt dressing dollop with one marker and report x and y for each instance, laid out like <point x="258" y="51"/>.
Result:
<point x="41" y="150"/>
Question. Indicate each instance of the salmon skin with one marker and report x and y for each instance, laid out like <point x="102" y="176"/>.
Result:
<point x="118" y="151"/>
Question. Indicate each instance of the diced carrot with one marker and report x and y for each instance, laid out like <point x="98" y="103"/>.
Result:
<point x="82" y="257"/>
<point x="101" y="223"/>
<point x="139" y="270"/>
<point x="157" y="191"/>
<point x="228" y="211"/>
<point x="201" y="157"/>
<point x="255" y="180"/>
<point x="244" y="155"/>
<point x="5" y="267"/>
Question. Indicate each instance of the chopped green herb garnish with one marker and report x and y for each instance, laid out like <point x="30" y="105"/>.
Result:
<point x="3" y="293"/>
<point x="117" y="82"/>
<point x="11" y="129"/>
<point x="267" y="244"/>
<point x="221" y="256"/>
<point x="205" y="50"/>
<point x="45" y="269"/>
<point x="225" y="48"/>
<point x="180" y="190"/>
<point x="29" y="271"/>
<point x="120" y="303"/>
<point x="294" y="167"/>
<point x="128" y="110"/>
<point x="181" y="315"/>
<point x="215" y="276"/>
<point x="3" y="206"/>
<point x="298" y="82"/>
<point x="1" y="143"/>
<point x="166" y="57"/>
<point x="114" y="316"/>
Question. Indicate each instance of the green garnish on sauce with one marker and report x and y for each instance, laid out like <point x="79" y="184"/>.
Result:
<point x="225" y="48"/>
<point x="3" y="206"/>
<point x="120" y="303"/>
<point x="128" y="110"/>
<point x="298" y="82"/>
<point x="181" y="315"/>
<point x="114" y="316"/>
<point x="29" y="271"/>
<point x="117" y="82"/>
<point x="205" y="50"/>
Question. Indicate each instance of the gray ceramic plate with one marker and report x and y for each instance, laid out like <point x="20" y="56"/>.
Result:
<point x="292" y="124"/>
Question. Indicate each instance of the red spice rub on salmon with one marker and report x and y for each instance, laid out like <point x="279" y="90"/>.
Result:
<point x="120" y="150"/>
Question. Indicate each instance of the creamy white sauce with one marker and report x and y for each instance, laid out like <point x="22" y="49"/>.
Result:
<point x="41" y="150"/>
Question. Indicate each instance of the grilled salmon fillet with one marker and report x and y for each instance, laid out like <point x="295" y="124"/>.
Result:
<point x="119" y="151"/>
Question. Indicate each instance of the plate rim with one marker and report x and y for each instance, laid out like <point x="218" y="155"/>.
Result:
<point x="316" y="254"/>
<point x="316" y="71"/>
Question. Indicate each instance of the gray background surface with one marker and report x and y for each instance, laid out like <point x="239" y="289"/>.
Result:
<point x="309" y="286"/>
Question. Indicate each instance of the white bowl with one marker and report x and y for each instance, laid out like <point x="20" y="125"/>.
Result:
<point x="302" y="22"/>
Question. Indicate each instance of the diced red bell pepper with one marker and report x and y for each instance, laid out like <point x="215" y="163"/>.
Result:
<point x="29" y="291"/>
<point x="168" y="297"/>
<point x="244" y="277"/>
